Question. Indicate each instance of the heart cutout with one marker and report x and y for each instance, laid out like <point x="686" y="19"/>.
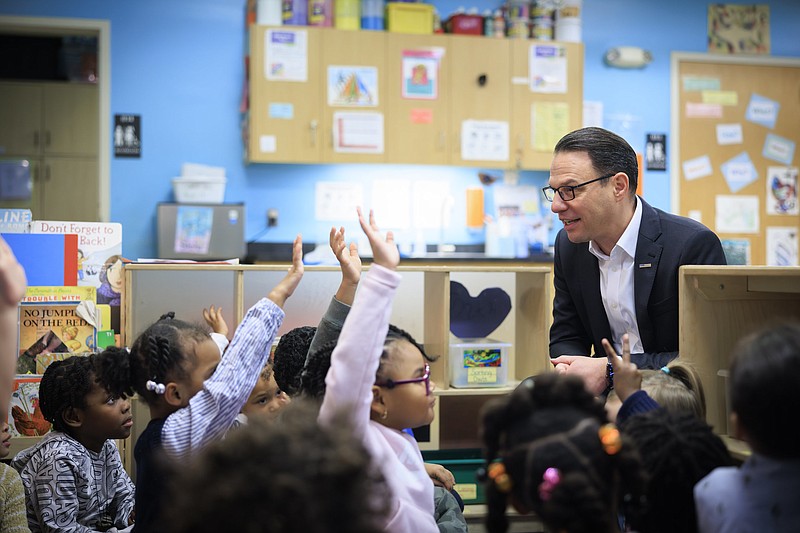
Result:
<point x="478" y="316"/>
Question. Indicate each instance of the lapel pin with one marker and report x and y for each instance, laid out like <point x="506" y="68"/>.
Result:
<point x="645" y="265"/>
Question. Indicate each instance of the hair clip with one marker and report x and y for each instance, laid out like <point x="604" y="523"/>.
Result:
<point x="550" y="480"/>
<point x="158" y="388"/>
<point x="610" y="439"/>
<point x="497" y="473"/>
<point x="665" y="369"/>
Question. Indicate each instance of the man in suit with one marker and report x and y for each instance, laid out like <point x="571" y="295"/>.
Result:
<point x="616" y="259"/>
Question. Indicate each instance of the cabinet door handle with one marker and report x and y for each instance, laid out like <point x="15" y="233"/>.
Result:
<point x="313" y="127"/>
<point x="47" y="138"/>
<point x="36" y="139"/>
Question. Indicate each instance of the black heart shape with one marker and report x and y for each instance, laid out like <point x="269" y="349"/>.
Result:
<point x="477" y="317"/>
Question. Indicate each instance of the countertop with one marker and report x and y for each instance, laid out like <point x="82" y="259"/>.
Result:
<point x="272" y="252"/>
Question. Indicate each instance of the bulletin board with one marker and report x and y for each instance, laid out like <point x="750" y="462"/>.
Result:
<point x="736" y="126"/>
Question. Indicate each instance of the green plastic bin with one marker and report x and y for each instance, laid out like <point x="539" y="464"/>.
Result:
<point x="464" y="465"/>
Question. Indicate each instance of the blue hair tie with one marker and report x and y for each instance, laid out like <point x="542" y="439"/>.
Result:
<point x="665" y="370"/>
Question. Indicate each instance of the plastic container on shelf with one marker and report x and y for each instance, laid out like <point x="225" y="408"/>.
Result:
<point x="408" y="17"/>
<point x="199" y="189"/>
<point x="269" y="12"/>
<point x="320" y="13"/>
<point x="372" y="14"/>
<point x="476" y="363"/>
<point x="518" y="19"/>
<point x="568" y="25"/>
<point x="295" y="12"/>
<point x="499" y="31"/>
<point x="488" y="23"/>
<point x="347" y="14"/>
<point x="542" y="20"/>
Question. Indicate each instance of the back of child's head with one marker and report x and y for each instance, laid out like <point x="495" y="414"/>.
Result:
<point x="677" y="388"/>
<point x="163" y="352"/>
<point x="312" y="379"/>
<point x="64" y="386"/>
<point x="293" y="476"/>
<point x="677" y="451"/>
<point x="764" y="388"/>
<point x="290" y="357"/>
<point x="545" y="454"/>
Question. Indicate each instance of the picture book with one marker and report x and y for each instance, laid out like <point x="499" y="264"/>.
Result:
<point x="25" y="417"/>
<point x="47" y="259"/>
<point x="98" y="244"/>
<point x="55" y="323"/>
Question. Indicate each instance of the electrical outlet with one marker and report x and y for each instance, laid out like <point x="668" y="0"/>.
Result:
<point x="272" y="218"/>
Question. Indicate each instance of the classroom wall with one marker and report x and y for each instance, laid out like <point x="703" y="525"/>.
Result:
<point x="178" y="64"/>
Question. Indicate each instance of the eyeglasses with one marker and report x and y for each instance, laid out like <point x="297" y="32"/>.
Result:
<point x="567" y="192"/>
<point x="426" y="377"/>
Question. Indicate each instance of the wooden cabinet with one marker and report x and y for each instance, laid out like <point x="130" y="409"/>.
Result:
<point x="421" y="307"/>
<point x="285" y="116"/>
<point x="481" y="115"/>
<point x="417" y="125"/>
<point x="54" y="127"/>
<point x="541" y="118"/>
<point x="354" y="96"/>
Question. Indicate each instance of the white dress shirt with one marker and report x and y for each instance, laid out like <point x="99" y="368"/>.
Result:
<point x="616" y="284"/>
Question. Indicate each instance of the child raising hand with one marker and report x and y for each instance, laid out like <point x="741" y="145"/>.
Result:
<point x="383" y="385"/>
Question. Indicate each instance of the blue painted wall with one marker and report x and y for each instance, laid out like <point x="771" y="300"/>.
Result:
<point x="178" y="64"/>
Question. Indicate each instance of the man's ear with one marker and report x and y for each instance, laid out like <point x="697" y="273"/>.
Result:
<point x="622" y="185"/>
<point x="72" y="417"/>
<point x="173" y="395"/>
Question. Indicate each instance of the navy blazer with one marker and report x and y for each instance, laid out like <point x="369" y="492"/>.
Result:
<point x="665" y="243"/>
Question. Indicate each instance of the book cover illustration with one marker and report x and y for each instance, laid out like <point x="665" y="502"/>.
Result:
<point x="55" y="323"/>
<point x="98" y="243"/>
<point x="25" y="415"/>
<point x="47" y="259"/>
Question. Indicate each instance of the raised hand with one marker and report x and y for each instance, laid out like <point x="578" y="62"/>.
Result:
<point x="627" y="376"/>
<point x="384" y="252"/>
<point x="285" y="288"/>
<point x="350" y="264"/>
<point x="213" y="317"/>
<point x="12" y="277"/>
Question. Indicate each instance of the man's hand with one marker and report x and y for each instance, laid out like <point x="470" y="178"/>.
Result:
<point x="627" y="377"/>
<point x="592" y="370"/>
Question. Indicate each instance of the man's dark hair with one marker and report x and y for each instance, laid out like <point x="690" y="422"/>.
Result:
<point x="608" y="152"/>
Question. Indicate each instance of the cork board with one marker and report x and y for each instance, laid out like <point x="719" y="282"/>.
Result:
<point x="736" y="123"/>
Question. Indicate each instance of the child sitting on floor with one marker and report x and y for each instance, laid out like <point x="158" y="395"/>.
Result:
<point x="762" y="494"/>
<point x="266" y="398"/>
<point x="550" y="450"/>
<point x="73" y="477"/>
<point x="193" y="394"/>
<point x="384" y="383"/>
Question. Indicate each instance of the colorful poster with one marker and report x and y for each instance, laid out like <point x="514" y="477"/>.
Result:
<point x="736" y="214"/>
<point x="547" y="67"/>
<point x="737" y="251"/>
<point x="782" y="191"/>
<point x="352" y="86"/>
<point x="738" y="29"/>
<point x="781" y="246"/>
<point x="286" y="55"/>
<point x="421" y="74"/>
<point x="193" y="230"/>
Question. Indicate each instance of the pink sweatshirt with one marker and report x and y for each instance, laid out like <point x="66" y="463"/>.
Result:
<point x="349" y="389"/>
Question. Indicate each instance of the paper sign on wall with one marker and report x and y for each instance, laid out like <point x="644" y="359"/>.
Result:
<point x="729" y="134"/>
<point x="698" y="167"/>
<point x="779" y="149"/>
<point x="358" y="133"/>
<point x="782" y="191"/>
<point x="737" y="214"/>
<point x="739" y="172"/>
<point x="286" y="55"/>
<point x="781" y="246"/>
<point x="762" y="110"/>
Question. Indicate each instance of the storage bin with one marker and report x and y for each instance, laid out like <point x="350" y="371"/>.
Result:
<point x="402" y="17"/>
<point x="465" y="24"/>
<point x="199" y="189"/>
<point x="463" y="464"/>
<point x="478" y="363"/>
